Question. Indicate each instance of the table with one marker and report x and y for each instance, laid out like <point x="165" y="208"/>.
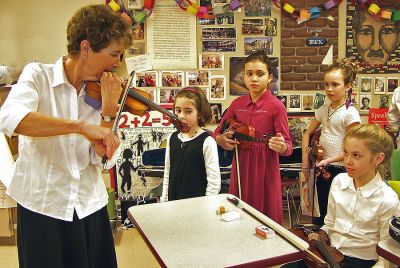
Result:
<point x="189" y="233"/>
<point x="390" y="250"/>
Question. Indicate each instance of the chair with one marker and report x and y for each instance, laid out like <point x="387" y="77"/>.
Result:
<point x="395" y="165"/>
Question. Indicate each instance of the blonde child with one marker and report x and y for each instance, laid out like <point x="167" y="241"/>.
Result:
<point x="335" y="117"/>
<point x="259" y="166"/>
<point x="360" y="203"/>
<point x="191" y="160"/>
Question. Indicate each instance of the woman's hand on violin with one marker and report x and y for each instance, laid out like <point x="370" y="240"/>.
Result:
<point x="110" y="92"/>
<point x="104" y="140"/>
<point x="225" y="140"/>
<point x="278" y="144"/>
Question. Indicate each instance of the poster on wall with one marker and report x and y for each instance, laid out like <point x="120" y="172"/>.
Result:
<point x="236" y="76"/>
<point x="371" y="42"/>
<point x="171" y="37"/>
<point x="141" y="134"/>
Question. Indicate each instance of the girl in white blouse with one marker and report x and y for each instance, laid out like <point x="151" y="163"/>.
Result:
<point x="360" y="203"/>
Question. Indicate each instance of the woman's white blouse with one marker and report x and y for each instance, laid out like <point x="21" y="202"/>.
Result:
<point x="54" y="175"/>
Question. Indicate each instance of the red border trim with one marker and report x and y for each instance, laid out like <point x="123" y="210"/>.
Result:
<point x="387" y="255"/>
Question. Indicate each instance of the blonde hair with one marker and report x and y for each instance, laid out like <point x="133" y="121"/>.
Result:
<point x="347" y="67"/>
<point x="200" y="102"/>
<point x="377" y="141"/>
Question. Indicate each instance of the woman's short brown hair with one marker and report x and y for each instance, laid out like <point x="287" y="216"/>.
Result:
<point x="99" y="25"/>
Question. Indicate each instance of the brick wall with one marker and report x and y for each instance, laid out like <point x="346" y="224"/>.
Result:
<point x="301" y="67"/>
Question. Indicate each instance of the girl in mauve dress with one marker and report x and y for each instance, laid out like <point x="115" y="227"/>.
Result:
<point x="260" y="178"/>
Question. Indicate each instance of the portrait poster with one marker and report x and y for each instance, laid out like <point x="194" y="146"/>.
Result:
<point x="373" y="43"/>
<point x="216" y="111"/>
<point x="236" y="76"/>
<point x="365" y="103"/>
<point x="297" y="125"/>
<point x="140" y="134"/>
<point x="218" y="87"/>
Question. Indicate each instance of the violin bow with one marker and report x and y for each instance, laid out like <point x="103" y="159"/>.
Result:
<point x="121" y="108"/>
<point x="276" y="227"/>
<point x="238" y="171"/>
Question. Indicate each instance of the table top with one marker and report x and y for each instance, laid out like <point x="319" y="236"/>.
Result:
<point x="189" y="233"/>
<point x="390" y="250"/>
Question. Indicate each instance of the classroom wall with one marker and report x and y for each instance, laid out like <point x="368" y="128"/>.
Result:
<point x="36" y="31"/>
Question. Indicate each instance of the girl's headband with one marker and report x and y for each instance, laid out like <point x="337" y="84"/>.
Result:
<point x="190" y="89"/>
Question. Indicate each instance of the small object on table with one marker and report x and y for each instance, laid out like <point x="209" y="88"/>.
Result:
<point x="230" y="216"/>
<point x="221" y="210"/>
<point x="265" y="231"/>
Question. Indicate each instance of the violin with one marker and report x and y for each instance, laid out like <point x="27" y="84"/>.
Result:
<point x="246" y="134"/>
<point x="317" y="155"/>
<point x="319" y="245"/>
<point x="137" y="102"/>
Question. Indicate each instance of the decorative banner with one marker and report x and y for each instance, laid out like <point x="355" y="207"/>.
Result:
<point x="372" y="42"/>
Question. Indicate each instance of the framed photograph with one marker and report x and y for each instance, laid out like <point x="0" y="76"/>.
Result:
<point x="392" y="84"/>
<point x="354" y="97"/>
<point x="319" y="100"/>
<point x="253" y="44"/>
<point x="135" y="4"/>
<point x="167" y="95"/>
<point x="219" y="45"/>
<point x="216" y="111"/>
<point x="225" y="19"/>
<point x="258" y="8"/>
<point x="203" y="21"/>
<point x="136" y="48"/>
<point x="172" y="79"/>
<point x="218" y="33"/>
<point x="270" y="27"/>
<point x="138" y="31"/>
<point x="252" y="26"/>
<point x="365" y="85"/>
<point x="211" y="61"/>
<point x="294" y="103"/>
<point x="384" y="101"/>
<point x="379" y="85"/>
<point x="307" y="101"/>
<point x="218" y="87"/>
<point x="198" y="78"/>
<point x="365" y="103"/>
<point x="284" y="99"/>
<point x="146" y="79"/>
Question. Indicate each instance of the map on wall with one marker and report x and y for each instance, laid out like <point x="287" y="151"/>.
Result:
<point x="373" y="43"/>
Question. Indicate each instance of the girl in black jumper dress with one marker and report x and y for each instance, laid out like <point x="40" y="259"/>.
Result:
<point x="191" y="160"/>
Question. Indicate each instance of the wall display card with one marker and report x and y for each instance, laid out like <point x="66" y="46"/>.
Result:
<point x="365" y="103"/>
<point x="319" y="100"/>
<point x="384" y="101"/>
<point x="294" y="103"/>
<point x="379" y="85"/>
<point x="307" y="101"/>
<point x="198" y="78"/>
<point x="171" y="37"/>
<point x="271" y="26"/>
<point x="218" y="87"/>
<point x="252" y="26"/>
<point x="258" y="8"/>
<point x="142" y="62"/>
<point x="392" y="84"/>
<point x="211" y="61"/>
<point x="283" y="98"/>
<point x="216" y="111"/>
<point x="146" y="79"/>
<point x="172" y="79"/>
<point x="253" y="44"/>
<point x="366" y="84"/>
<point x="167" y="95"/>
